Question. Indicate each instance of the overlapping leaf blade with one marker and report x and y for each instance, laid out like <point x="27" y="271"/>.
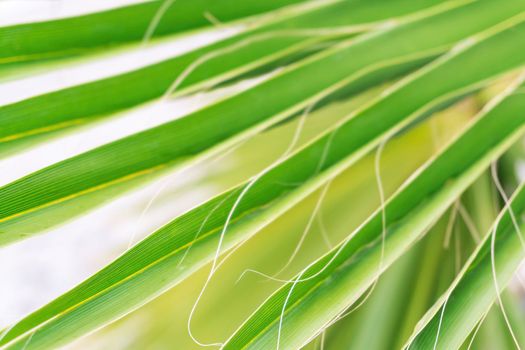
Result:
<point x="153" y="265"/>
<point x="199" y="69"/>
<point x="354" y="65"/>
<point x="474" y="290"/>
<point x="298" y="311"/>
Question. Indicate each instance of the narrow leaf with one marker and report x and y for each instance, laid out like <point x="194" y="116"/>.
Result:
<point x="202" y="68"/>
<point x="299" y="310"/>
<point x="189" y="242"/>
<point x="473" y="292"/>
<point x="42" y="40"/>
<point x="352" y="66"/>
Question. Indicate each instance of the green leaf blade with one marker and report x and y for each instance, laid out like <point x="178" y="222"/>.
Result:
<point x="32" y="41"/>
<point x="222" y="124"/>
<point x="217" y="63"/>
<point x="158" y="256"/>
<point x="347" y="271"/>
